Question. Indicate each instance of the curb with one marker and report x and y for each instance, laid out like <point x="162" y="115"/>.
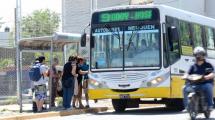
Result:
<point x="53" y="114"/>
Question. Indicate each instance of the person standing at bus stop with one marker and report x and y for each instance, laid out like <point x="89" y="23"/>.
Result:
<point x="83" y="70"/>
<point x="68" y="78"/>
<point x="40" y="85"/>
<point x="55" y="78"/>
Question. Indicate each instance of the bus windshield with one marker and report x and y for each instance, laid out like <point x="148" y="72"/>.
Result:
<point x="128" y="46"/>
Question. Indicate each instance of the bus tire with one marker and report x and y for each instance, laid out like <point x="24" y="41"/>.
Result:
<point x="119" y="105"/>
<point x="174" y="104"/>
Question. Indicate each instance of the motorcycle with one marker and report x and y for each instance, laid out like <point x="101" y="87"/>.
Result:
<point x="196" y="98"/>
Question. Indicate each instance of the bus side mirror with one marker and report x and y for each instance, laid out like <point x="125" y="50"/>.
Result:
<point x="173" y="36"/>
<point x="92" y="42"/>
<point x="83" y="39"/>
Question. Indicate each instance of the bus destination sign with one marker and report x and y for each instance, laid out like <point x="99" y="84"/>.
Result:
<point x="125" y="16"/>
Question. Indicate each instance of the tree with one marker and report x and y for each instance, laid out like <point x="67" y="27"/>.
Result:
<point x="40" y="23"/>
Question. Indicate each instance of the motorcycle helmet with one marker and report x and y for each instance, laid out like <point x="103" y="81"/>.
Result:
<point x="199" y="50"/>
<point x="199" y="53"/>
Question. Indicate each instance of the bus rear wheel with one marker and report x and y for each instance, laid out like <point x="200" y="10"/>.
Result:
<point x="119" y="105"/>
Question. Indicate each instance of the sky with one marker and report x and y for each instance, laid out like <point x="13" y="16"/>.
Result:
<point x="27" y="7"/>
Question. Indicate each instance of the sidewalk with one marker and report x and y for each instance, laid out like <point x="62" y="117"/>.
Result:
<point x="11" y="112"/>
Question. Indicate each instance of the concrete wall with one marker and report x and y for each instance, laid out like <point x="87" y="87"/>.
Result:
<point x="76" y="13"/>
<point x="196" y="6"/>
<point x="210" y="8"/>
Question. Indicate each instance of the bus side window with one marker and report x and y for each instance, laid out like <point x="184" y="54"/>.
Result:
<point x="197" y="35"/>
<point x="186" y="38"/>
<point x="210" y="40"/>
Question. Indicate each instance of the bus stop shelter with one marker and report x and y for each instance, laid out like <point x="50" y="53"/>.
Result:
<point x="54" y="43"/>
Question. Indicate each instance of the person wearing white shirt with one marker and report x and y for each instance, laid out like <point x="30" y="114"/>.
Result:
<point x="40" y="85"/>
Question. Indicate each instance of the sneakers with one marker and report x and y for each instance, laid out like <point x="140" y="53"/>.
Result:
<point x="81" y="106"/>
<point x="210" y="108"/>
<point x="87" y="106"/>
<point x="69" y="109"/>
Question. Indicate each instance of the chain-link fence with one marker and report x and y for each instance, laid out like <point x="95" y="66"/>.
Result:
<point x="7" y="72"/>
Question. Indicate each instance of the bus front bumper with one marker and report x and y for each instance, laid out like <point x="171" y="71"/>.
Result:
<point x="159" y="92"/>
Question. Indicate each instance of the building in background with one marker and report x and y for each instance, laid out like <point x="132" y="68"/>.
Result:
<point x="203" y="7"/>
<point x="76" y="13"/>
<point x="6" y="40"/>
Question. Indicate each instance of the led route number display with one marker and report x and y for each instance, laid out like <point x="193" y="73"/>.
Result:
<point x="125" y="16"/>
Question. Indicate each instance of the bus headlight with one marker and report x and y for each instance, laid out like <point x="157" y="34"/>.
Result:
<point x="155" y="82"/>
<point x="96" y="84"/>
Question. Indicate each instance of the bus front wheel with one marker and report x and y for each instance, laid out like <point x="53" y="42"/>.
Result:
<point x="119" y="105"/>
<point x="174" y="104"/>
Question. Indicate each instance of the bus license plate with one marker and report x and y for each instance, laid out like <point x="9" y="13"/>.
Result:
<point x="124" y="96"/>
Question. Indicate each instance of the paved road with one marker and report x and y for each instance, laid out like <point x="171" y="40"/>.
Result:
<point x="159" y="113"/>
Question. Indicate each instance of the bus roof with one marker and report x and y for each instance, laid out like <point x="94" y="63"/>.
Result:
<point x="44" y="43"/>
<point x="169" y="11"/>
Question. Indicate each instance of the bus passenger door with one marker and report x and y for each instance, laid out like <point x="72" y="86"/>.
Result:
<point x="173" y="56"/>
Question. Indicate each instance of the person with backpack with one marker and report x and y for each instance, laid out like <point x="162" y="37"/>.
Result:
<point x="68" y="79"/>
<point x="38" y="74"/>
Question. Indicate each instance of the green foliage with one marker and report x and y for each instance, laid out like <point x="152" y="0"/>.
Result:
<point x="10" y="101"/>
<point x="58" y="55"/>
<point x="6" y="63"/>
<point x="40" y="23"/>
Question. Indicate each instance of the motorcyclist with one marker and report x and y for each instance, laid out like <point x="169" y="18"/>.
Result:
<point x="201" y="67"/>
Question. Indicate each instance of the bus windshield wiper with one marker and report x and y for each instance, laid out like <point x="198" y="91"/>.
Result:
<point x="130" y="39"/>
<point x="108" y="27"/>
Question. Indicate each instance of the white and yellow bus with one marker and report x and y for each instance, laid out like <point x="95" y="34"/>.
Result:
<point x="139" y="52"/>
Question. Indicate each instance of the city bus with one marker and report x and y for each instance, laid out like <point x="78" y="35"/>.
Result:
<point x="138" y="53"/>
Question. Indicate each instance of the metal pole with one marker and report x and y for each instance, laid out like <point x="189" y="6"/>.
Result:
<point x="51" y="71"/>
<point x="96" y="5"/>
<point x="91" y="7"/>
<point x="17" y="38"/>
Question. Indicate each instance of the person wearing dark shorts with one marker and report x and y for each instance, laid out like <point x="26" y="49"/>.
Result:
<point x="83" y="71"/>
<point x="79" y="79"/>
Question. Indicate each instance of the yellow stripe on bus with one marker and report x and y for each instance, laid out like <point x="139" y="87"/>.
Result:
<point x="176" y="87"/>
<point x="174" y="91"/>
<point x="159" y="92"/>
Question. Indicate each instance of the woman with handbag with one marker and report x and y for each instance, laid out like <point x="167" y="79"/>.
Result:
<point x="69" y="73"/>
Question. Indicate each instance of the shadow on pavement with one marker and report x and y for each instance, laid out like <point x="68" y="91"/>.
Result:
<point x="205" y="119"/>
<point x="150" y="111"/>
<point x="144" y="111"/>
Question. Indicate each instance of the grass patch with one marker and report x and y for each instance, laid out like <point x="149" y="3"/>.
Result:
<point x="3" y="110"/>
<point x="10" y="100"/>
<point x="59" y="101"/>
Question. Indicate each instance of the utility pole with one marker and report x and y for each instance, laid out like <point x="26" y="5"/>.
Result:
<point x="93" y="5"/>
<point x="17" y="38"/>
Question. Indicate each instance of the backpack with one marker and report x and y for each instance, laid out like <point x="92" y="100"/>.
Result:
<point x="34" y="73"/>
